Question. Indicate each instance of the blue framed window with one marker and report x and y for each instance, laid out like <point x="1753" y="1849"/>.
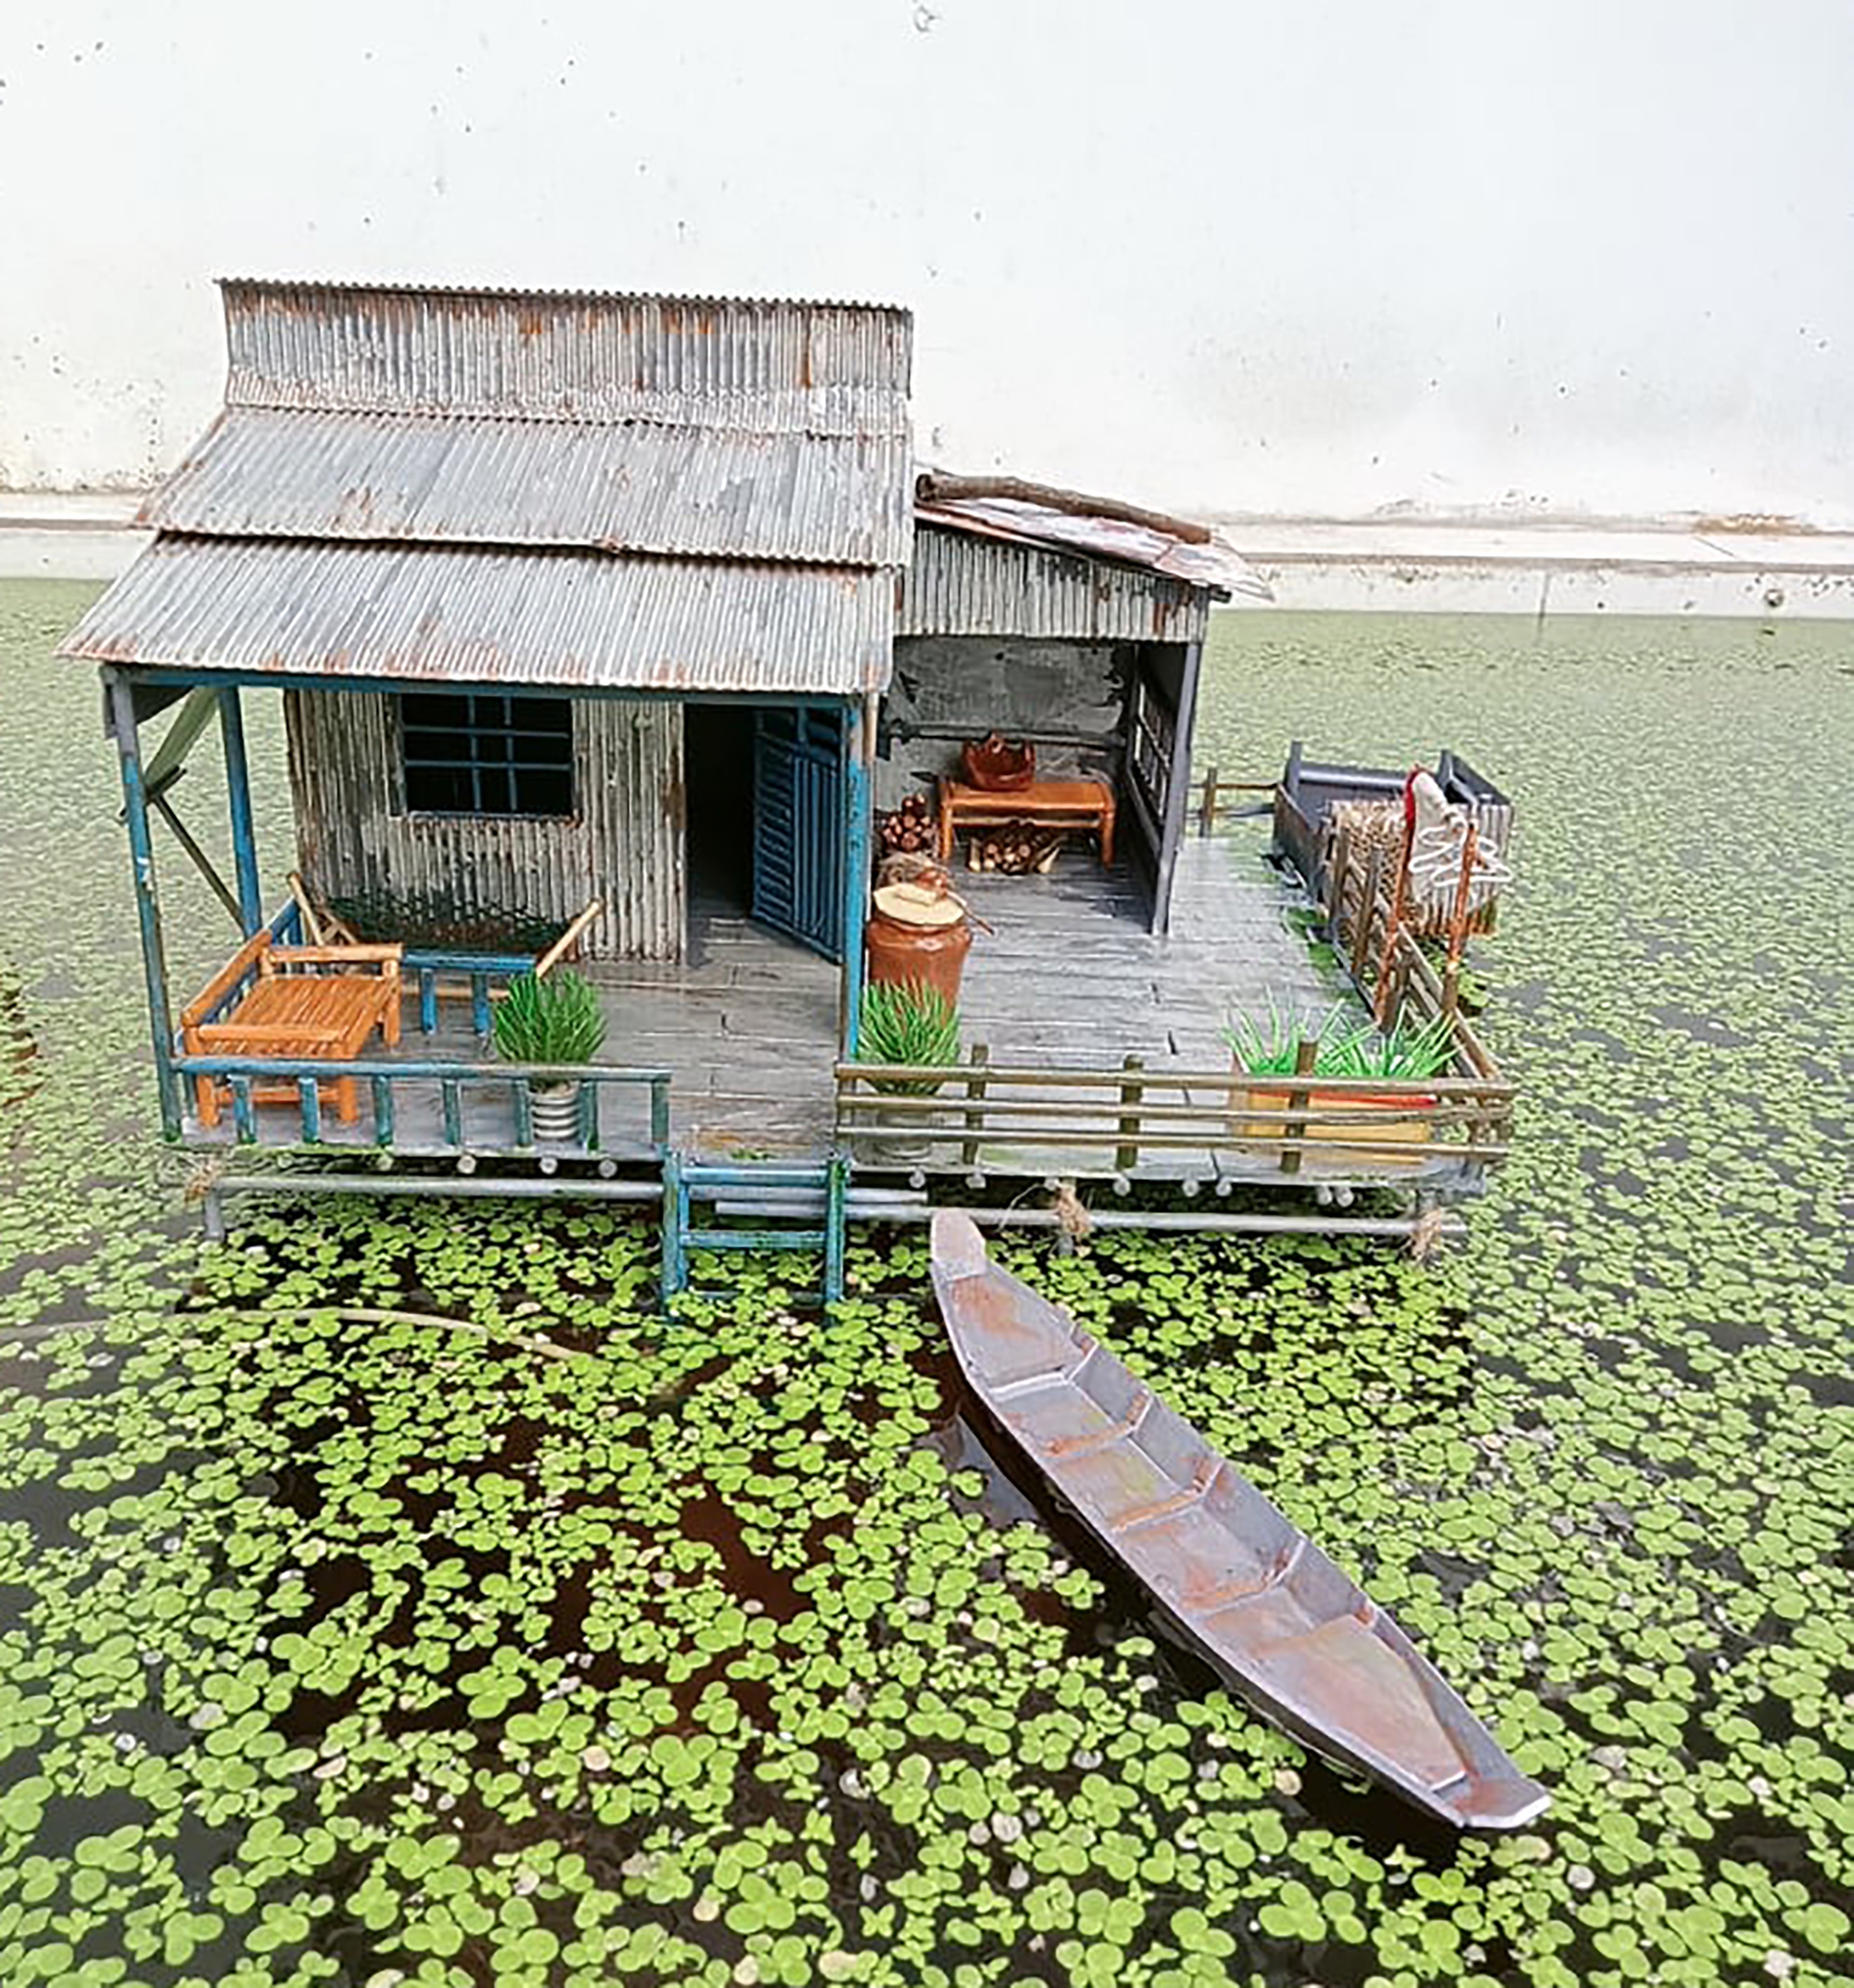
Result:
<point x="479" y="752"/>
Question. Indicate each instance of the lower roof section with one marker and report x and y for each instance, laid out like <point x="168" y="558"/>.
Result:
<point x="966" y="581"/>
<point x="301" y="609"/>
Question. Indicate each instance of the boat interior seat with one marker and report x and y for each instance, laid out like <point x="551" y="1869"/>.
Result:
<point x="1057" y="1421"/>
<point x="1345" y="1678"/>
<point x="1194" y="1563"/>
<point x="1010" y="1344"/>
<point x="1110" y="1483"/>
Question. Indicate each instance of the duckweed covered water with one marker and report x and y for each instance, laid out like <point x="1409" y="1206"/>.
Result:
<point x="341" y="1645"/>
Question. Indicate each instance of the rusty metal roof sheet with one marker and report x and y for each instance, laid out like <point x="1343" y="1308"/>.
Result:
<point x="765" y="364"/>
<point x="1216" y="565"/>
<point x="306" y="610"/>
<point x="962" y="583"/>
<point x="306" y="473"/>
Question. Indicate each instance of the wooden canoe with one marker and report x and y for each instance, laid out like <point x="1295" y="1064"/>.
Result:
<point x="1301" y="1641"/>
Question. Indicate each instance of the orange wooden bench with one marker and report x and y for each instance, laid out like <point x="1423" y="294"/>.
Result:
<point x="296" y="1009"/>
<point x="1079" y="803"/>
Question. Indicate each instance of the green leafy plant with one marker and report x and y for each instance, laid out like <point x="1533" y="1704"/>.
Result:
<point x="1406" y="1051"/>
<point x="1270" y="1046"/>
<point x="911" y="1023"/>
<point x="417" y="1534"/>
<point x="556" y="1020"/>
<point x="1348" y="1047"/>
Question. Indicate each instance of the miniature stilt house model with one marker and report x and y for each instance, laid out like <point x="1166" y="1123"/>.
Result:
<point x="623" y="616"/>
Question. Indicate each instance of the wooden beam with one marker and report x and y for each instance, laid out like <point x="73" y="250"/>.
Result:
<point x="932" y="488"/>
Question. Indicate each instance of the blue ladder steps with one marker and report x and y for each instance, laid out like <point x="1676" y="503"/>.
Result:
<point x="748" y="1185"/>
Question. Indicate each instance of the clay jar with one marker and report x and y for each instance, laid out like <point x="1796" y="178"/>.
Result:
<point x="919" y="936"/>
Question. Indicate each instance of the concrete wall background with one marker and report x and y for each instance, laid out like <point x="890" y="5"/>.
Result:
<point x="1559" y="256"/>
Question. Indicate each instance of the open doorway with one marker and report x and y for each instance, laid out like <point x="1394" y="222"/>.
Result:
<point x="765" y="787"/>
<point x="717" y="750"/>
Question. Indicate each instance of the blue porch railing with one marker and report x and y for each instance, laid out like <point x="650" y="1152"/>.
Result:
<point x="480" y="970"/>
<point x="446" y="1119"/>
<point x="440" y="1109"/>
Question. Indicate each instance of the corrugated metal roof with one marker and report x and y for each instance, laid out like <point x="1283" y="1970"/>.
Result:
<point x="1215" y="564"/>
<point x="298" y="609"/>
<point x="963" y="583"/>
<point x="733" y="362"/>
<point x="277" y="473"/>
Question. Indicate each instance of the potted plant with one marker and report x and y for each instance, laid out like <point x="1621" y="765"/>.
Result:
<point x="1348" y="1047"/>
<point x="556" y="1020"/>
<point x="906" y="1022"/>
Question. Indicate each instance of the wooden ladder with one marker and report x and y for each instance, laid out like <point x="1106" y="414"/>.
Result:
<point x="762" y="1192"/>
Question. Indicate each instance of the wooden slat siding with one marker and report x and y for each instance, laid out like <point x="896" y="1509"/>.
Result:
<point x="1331" y="902"/>
<point x="1356" y="1106"/>
<point x="623" y="845"/>
<point x="1360" y="1155"/>
<point x="1228" y="1084"/>
<point x="1043" y="1120"/>
<point x="1363" y="915"/>
<point x="1215" y="800"/>
<point x="1371" y="885"/>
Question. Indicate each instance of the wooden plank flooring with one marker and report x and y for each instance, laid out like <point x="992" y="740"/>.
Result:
<point x="1069" y="975"/>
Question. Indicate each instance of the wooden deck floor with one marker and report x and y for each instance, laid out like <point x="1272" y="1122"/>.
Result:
<point x="1068" y="974"/>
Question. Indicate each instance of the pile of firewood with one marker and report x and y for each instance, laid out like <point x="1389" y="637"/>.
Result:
<point x="908" y="828"/>
<point x="1016" y="849"/>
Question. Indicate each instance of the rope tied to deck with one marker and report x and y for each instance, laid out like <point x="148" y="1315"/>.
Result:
<point x="1071" y="1216"/>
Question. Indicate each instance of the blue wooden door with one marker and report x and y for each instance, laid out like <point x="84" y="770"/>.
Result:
<point x="798" y="825"/>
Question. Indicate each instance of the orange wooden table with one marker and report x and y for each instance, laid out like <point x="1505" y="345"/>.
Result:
<point x="302" y="1017"/>
<point x="1058" y="803"/>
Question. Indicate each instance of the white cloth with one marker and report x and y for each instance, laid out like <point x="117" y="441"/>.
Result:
<point x="1438" y="847"/>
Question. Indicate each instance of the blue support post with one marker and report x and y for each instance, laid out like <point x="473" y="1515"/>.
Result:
<point x="858" y="833"/>
<point x="239" y="791"/>
<point x="836" y="1185"/>
<point x="674" y="1214"/>
<point x="521" y="1096"/>
<point x="147" y="906"/>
